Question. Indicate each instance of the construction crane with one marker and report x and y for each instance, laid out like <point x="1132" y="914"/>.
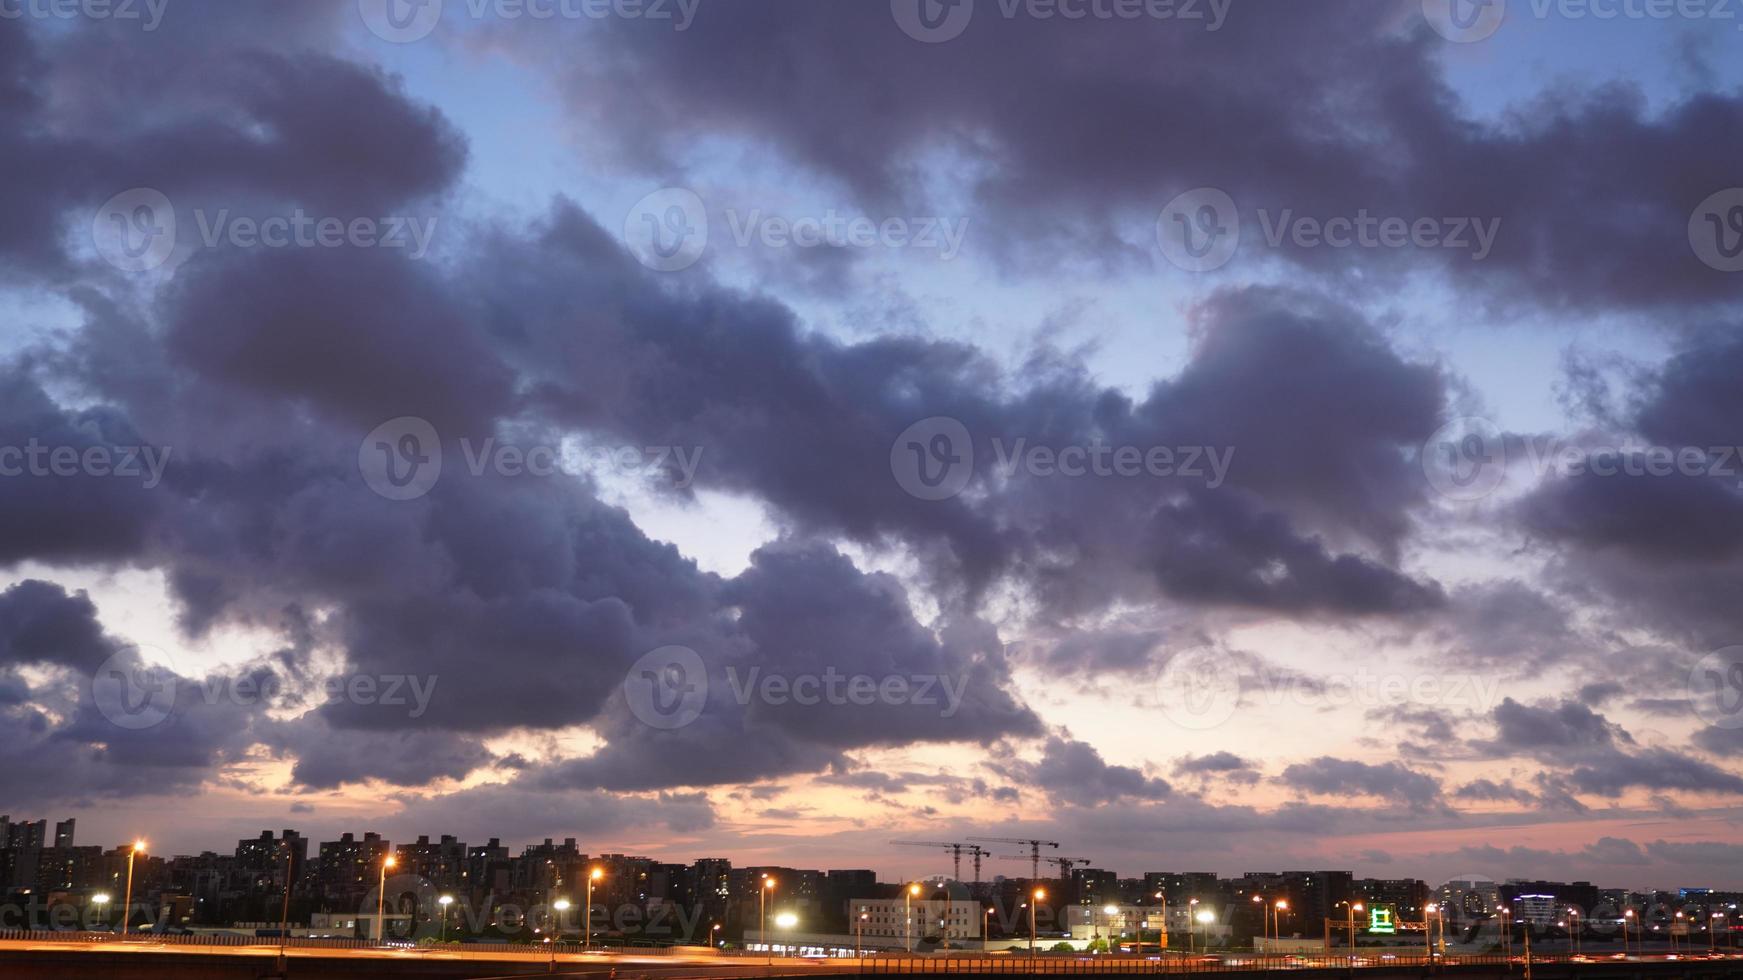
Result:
<point x="1034" y="850"/>
<point x="974" y="850"/>
<point x="1065" y="864"/>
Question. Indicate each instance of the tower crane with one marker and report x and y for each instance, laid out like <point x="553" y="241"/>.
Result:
<point x="975" y="851"/>
<point x="1034" y="850"/>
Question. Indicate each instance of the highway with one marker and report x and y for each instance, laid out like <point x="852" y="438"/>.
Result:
<point x="114" y="959"/>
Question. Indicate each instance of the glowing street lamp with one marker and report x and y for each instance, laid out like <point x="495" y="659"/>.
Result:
<point x="1428" y="928"/>
<point x="127" y="902"/>
<point x="763" y="914"/>
<point x="1205" y="918"/>
<point x="786" y="920"/>
<point x="1277" y="909"/>
<point x="1110" y="911"/>
<point x="381" y="899"/>
<point x="1626" y="915"/>
<point x="1190" y="917"/>
<point x="587" y="916"/>
<point x="558" y="907"/>
<point x="1034" y="899"/>
<point x="99" y="900"/>
<point x="908" y="895"/>
<point x="444" y="902"/>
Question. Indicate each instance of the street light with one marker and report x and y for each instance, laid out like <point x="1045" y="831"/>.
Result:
<point x="1277" y="909"/>
<point x="381" y="899"/>
<point x="127" y="902"/>
<point x="1428" y="929"/>
<point x="908" y="915"/>
<point x="763" y="914"/>
<point x="1190" y="916"/>
<point x="1573" y="921"/>
<point x="786" y="920"/>
<point x="1205" y="918"/>
<point x="444" y="902"/>
<point x="587" y="917"/>
<point x="558" y="907"/>
<point x="1034" y="899"/>
<point x="985" y="921"/>
<point x="101" y="899"/>
<point x="1110" y="911"/>
<point x="1626" y="915"/>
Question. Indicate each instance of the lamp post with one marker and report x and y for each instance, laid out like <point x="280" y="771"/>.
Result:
<point x="859" y="934"/>
<point x="1428" y="929"/>
<point x="985" y="922"/>
<point x="1277" y="909"/>
<point x="1264" y="916"/>
<point x="444" y="902"/>
<point x="587" y="917"/>
<point x="1712" y="936"/>
<point x="714" y="936"/>
<point x="763" y="914"/>
<point x="284" y="911"/>
<point x="1205" y="918"/>
<point x="381" y="900"/>
<point x="127" y="902"/>
<point x="1162" y="929"/>
<point x="1035" y="898"/>
<point x="908" y="915"/>
<point x="555" y="927"/>
<point x="1191" y="904"/>
<point x="99" y="900"/>
<point x="1573" y="925"/>
<point x="1626" y="915"/>
<point x="786" y="920"/>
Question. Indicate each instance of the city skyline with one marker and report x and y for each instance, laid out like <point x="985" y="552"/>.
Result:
<point x="1281" y="434"/>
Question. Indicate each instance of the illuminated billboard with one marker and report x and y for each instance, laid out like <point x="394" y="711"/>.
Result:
<point x="1380" y="920"/>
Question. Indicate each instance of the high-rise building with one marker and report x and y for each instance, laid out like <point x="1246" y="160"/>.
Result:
<point x="63" y="832"/>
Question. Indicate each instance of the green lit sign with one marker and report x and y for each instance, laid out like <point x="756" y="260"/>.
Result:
<point x="1380" y="920"/>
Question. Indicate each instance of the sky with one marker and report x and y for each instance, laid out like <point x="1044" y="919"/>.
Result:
<point x="1219" y="436"/>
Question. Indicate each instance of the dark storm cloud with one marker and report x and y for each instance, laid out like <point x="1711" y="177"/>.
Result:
<point x="1390" y="781"/>
<point x="1073" y="132"/>
<point x="1591" y="754"/>
<point x="53" y="505"/>
<point x="1074" y="773"/>
<point x="326" y="758"/>
<point x="1317" y="492"/>
<point x="41" y="623"/>
<point x="1214" y="762"/>
<point x="1663" y="549"/>
<point x="224" y="123"/>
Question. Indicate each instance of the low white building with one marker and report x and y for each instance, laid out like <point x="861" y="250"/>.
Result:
<point x="886" y="919"/>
